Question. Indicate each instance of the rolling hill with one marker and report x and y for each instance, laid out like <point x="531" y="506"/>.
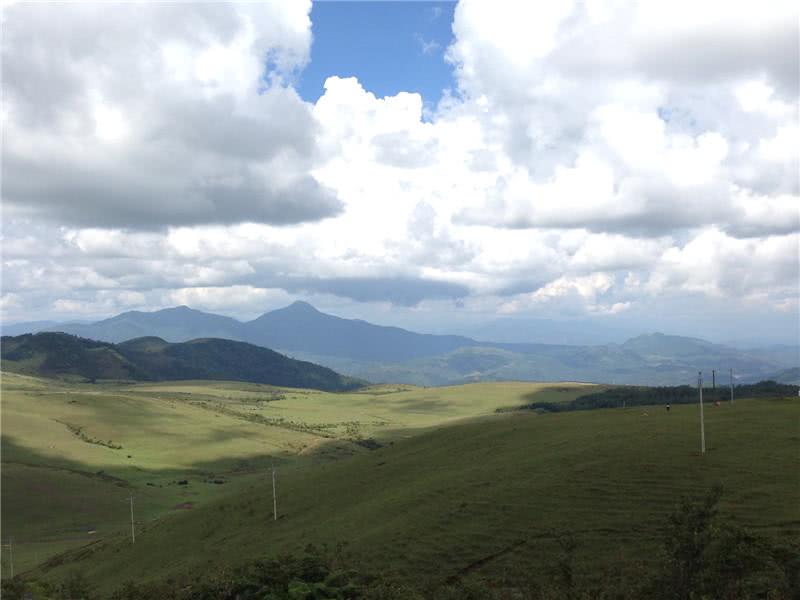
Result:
<point x="154" y="359"/>
<point x="87" y="445"/>
<point x="487" y="498"/>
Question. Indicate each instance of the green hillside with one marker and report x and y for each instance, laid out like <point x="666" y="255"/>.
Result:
<point x="64" y="355"/>
<point x="73" y="453"/>
<point x="490" y="498"/>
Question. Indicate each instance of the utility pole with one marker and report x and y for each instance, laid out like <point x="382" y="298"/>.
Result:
<point x="133" y="530"/>
<point x="713" y="379"/>
<point x="274" y="497"/>
<point x="702" y="421"/>
<point x="11" y="555"/>
<point x="731" y="386"/>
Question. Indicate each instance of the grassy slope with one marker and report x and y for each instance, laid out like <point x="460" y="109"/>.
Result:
<point x="53" y="493"/>
<point x="435" y="504"/>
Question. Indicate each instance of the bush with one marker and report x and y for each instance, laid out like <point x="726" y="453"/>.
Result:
<point x="707" y="558"/>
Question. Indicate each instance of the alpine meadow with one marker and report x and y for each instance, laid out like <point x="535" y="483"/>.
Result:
<point x="409" y="300"/>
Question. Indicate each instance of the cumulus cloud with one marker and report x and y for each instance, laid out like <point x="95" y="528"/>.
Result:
<point x="719" y="265"/>
<point x="152" y="115"/>
<point x="610" y="118"/>
<point x="594" y="158"/>
<point x="228" y="298"/>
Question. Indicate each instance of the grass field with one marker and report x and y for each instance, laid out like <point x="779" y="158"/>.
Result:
<point x="489" y="496"/>
<point x="73" y="454"/>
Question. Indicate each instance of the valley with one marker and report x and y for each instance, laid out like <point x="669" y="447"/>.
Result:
<point x="427" y="480"/>
<point x="73" y="453"/>
<point x="399" y="300"/>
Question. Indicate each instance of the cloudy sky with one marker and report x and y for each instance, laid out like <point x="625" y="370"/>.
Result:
<point x="433" y="165"/>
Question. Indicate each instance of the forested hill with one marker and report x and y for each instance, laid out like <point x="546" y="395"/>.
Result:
<point x="153" y="359"/>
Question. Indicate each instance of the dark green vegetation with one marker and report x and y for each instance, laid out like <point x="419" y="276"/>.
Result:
<point x="629" y="396"/>
<point x="580" y="500"/>
<point x="391" y="354"/>
<point x="153" y="359"/>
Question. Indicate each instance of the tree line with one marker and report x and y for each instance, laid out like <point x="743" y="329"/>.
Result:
<point x="624" y="396"/>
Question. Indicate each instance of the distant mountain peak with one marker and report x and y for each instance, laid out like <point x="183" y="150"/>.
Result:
<point x="654" y="334"/>
<point x="300" y="305"/>
<point x="182" y="308"/>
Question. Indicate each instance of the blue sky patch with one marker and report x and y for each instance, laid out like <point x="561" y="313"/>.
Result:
<point x="389" y="46"/>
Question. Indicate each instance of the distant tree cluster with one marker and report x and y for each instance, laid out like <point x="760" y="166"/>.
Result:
<point x="617" y="397"/>
<point x="78" y="431"/>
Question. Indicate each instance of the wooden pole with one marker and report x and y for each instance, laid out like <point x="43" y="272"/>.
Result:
<point x="133" y="529"/>
<point x="274" y="497"/>
<point x="702" y="420"/>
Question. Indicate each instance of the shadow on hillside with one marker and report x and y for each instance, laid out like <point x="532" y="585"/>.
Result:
<point x="559" y="393"/>
<point x="15" y="453"/>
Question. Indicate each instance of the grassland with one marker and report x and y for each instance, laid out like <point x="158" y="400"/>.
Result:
<point x="73" y="453"/>
<point x="485" y="496"/>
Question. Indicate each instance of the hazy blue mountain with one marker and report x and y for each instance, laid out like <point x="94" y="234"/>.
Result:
<point x="782" y="354"/>
<point x="668" y="346"/>
<point x="576" y="332"/>
<point x="153" y="359"/>
<point x="301" y="327"/>
<point x="790" y="376"/>
<point x="177" y="324"/>
<point x="25" y="327"/>
<point x="392" y="354"/>
<point x="603" y="364"/>
<point x="298" y="327"/>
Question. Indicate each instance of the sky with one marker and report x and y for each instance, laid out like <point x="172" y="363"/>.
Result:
<point x="390" y="47"/>
<point x="629" y="166"/>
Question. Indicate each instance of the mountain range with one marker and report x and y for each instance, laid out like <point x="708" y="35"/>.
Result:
<point x="391" y="354"/>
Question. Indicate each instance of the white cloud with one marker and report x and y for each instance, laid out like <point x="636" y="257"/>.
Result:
<point x="229" y="298"/>
<point x="716" y="264"/>
<point x="152" y="115"/>
<point x="10" y="301"/>
<point x="595" y="156"/>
